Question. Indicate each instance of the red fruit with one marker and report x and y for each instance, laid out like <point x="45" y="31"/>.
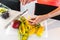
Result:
<point x="16" y="24"/>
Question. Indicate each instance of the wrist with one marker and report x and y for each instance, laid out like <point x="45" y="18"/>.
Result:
<point x="46" y="16"/>
<point x="49" y="15"/>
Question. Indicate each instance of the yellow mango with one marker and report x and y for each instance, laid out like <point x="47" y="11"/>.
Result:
<point x="32" y="31"/>
<point x="28" y="24"/>
<point x="40" y="31"/>
<point x="22" y="28"/>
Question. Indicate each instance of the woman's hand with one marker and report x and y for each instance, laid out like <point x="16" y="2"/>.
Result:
<point x="25" y="1"/>
<point x="38" y="19"/>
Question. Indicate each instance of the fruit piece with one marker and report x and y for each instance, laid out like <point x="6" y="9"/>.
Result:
<point x="40" y="31"/>
<point x="22" y="27"/>
<point x="16" y="24"/>
<point x="28" y="24"/>
<point x="32" y="31"/>
<point x="5" y="15"/>
<point x="22" y="19"/>
<point x="2" y="9"/>
<point x="25" y="37"/>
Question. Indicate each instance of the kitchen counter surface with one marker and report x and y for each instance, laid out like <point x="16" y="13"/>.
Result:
<point x="53" y="29"/>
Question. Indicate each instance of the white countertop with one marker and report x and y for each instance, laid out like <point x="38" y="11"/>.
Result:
<point x="54" y="34"/>
<point x="53" y="29"/>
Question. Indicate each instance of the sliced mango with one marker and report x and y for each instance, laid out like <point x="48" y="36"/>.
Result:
<point x="40" y="31"/>
<point x="32" y="31"/>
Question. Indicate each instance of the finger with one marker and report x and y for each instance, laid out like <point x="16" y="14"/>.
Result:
<point x="22" y="1"/>
<point x="25" y="2"/>
<point x="32" y="22"/>
<point x="33" y="18"/>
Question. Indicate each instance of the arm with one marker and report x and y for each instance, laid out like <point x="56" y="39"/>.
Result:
<point x="53" y="13"/>
<point x="41" y="18"/>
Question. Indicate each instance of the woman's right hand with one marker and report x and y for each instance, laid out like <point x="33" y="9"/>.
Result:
<point x="38" y="19"/>
<point x="25" y="1"/>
